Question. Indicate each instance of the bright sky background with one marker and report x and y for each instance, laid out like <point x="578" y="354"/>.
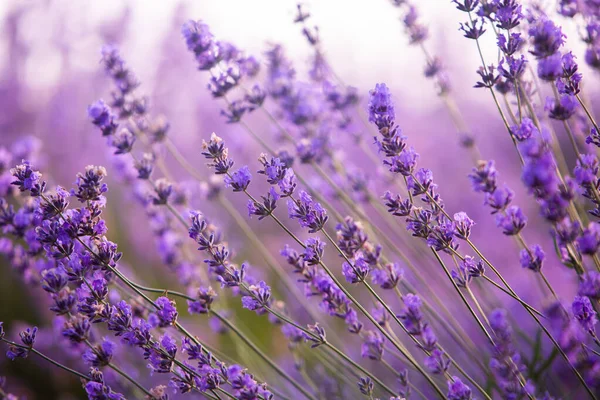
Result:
<point x="364" y="40"/>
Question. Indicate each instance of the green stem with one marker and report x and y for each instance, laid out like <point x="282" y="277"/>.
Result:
<point x="45" y="357"/>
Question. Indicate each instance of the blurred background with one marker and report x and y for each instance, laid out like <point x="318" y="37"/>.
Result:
<point x="50" y="73"/>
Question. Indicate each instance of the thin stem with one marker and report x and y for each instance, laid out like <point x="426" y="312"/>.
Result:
<point x="45" y="357"/>
<point x="262" y="355"/>
<point x="360" y="368"/>
<point x="464" y="300"/>
<point x="130" y="379"/>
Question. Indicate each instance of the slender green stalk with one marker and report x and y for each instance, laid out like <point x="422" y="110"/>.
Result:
<point x="262" y="355"/>
<point x="45" y="357"/>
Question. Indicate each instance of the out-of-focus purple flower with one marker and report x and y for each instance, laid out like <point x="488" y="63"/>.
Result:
<point x="457" y="390"/>
<point x="532" y="258"/>
<point x="356" y="272"/>
<point x="412" y="315"/>
<point x="499" y="199"/>
<point x="437" y="362"/>
<point x="512" y="221"/>
<point x="483" y="177"/>
<point x="589" y="285"/>
<point x="27" y="338"/>
<point x="235" y="111"/>
<point x="562" y="109"/>
<point x="123" y="141"/>
<point x="584" y="313"/>
<point x="388" y="276"/>
<point x="546" y="38"/>
<point x="372" y="346"/>
<point x="525" y="130"/>
<point x="550" y="68"/>
<point x="589" y="241"/>
<point x="103" y="117"/>
<point x="101" y="355"/>
<point x="593" y="137"/>
<point x="162" y="191"/>
<point x="381" y="107"/>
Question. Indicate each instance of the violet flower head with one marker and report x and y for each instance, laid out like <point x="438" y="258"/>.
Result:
<point x="437" y="363"/>
<point x="532" y="258"/>
<point x="593" y="137"/>
<point x="584" y="313"/>
<point x="589" y="285"/>
<point x="27" y="338"/>
<point x="313" y="252"/>
<point x="309" y="213"/>
<point x="26" y="179"/>
<point x="473" y="30"/>
<point x="563" y="109"/>
<point x="546" y="38"/>
<point x="123" y="141"/>
<point x="388" y="276"/>
<point x="102" y="116"/>
<point x="412" y="315"/>
<point x="508" y="14"/>
<point x="215" y="151"/>
<point x="259" y="297"/>
<point x="462" y="225"/>
<point x="166" y="313"/>
<point x="525" y="130"/>
<point x="512" y="221"/>
<point x="100" y="355"/>
<point x="499" y="199"/>
<point x="381" y="108"/>
<point x="483" y="177"/>
<point x="457" y="390"/>
<point x="200" y="41"/>
<point x="589" y="241"/>
<point x="205" y="298"/>
<point x="89" y="184"/>
<point x="550" y="68"/>
<point x="372" y="346"/>
<point x="162" y="191"/>
<point x="239" y="180"/>
<point x="510" y="44"/>
<point x="356" y="272"/>
<point x="405" y="163"/>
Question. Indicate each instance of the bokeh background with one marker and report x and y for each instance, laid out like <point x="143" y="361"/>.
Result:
<point x="50" y="73"/>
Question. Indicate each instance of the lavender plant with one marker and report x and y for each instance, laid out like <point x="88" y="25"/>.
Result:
<point x="298" y="246"/>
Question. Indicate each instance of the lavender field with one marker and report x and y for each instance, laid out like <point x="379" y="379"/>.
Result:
<point x="327" y="200"/>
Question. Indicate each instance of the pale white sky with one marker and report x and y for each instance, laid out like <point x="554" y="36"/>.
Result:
<point x="364" y="39"/>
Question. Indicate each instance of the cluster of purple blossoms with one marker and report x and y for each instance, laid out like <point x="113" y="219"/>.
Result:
<point x="318" y="283"/>
<point x="77" y="252"/>
<point x="509" y="218"/>
<point x="228" y="66"/>
<point x="437" y="360"/>
<point x="506" y="362"/>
